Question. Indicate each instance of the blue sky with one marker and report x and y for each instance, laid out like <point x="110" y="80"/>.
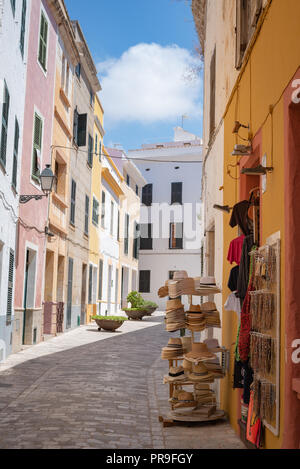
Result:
<point x="144" y="51"/>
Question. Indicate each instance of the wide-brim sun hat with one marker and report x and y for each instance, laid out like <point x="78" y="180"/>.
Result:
<point x="174" y="305"/>
<point x="200" y="373"/>
<point x="185" y="400"/>
<point x="177" y="374"/>
<point x="180" y="274"/>
<point x="199" y="352"/>
<point x="208" y="306"/>
<point x="208" y="281"/>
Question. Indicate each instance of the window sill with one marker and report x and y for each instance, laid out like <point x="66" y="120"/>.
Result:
<point x="72" y="226"/>
<point x="59" y="199"/>
<point x="64" y="98"/>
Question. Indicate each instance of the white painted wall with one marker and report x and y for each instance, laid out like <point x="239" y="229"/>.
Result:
<point x="13" y="71"/>
<point x="161" y="259"/>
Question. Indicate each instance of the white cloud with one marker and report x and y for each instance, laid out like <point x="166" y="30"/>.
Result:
<point x="150" y="83"/>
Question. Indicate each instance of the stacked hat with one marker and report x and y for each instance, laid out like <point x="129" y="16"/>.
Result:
<point x="212" y="316"/>
<point x="196" y="322"/>
<point x="208" y="282"/>
<point x="200" y="373"/>
<point x="207" y="285"/>
<point x="186" y="401"/>
<point x="214" y="367"/>
<point x="174" y="398"/>
<point x="175" y="316"/>
<point x="203" y="394"/>
<point x="199" y="353"/>
<point x="185" y="286"/>
<point x="172" y="350"/>
<point x="163" y="292"/>
<point x="176" y="374"/>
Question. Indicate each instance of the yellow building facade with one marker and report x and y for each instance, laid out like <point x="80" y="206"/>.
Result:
<point x="265" y="96"/>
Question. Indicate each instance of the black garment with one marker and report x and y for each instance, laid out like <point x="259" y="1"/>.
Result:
<point x="248" y="380"/>
<point x="233" y="278"/>
<point x="238" y="378"/>
<point x="240" y="217"/>
<point x="243" y="278"/>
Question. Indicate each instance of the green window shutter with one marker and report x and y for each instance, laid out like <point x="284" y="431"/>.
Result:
<point x="90" y="284"/>
<point x="4" y="125"/>
<point x="100" y="280"/>
<point x="37" y="146"/>
<point x="13" y="6"/>
<point x="10" y="286"/>
<point x="73" y="201"/>
<point x="81" y="131"/>
<point x="23" y="20"/>
<point x="86" y="218"/>
<point x="75" y="126"/>
<point x="126" y="234"/>
<point x="103" y="210"/>
<point x="95" y="212"/>
<point x="43" y="42"/>
<point x="90" y="151"/>
<point x="15" y="157"/>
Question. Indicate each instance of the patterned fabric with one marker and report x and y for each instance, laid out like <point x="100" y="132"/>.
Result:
<point x="244" y="338"/>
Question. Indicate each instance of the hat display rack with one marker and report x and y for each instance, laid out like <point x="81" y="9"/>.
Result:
<point x="193" y="366"/>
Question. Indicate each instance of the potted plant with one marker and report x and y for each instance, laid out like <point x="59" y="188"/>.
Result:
<point x="137" y="309"/>
<point x="150" y="306"/>
<point x="109" y="323"/>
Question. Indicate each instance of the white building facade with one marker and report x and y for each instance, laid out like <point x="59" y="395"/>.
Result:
<point x="14" y="18"/>
<point x="171" y="211"/>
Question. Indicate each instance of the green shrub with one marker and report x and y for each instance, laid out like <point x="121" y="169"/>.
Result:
<point x="135" y="299"/>
<point x="110" y="318"/>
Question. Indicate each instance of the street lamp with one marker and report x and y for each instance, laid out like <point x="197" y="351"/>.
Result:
<point x="47" y="179"/>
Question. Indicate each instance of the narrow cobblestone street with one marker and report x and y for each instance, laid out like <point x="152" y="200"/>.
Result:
<point x="80" y="391"/>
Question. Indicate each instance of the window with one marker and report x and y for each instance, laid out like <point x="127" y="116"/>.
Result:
<point x="95" y="212"/>
<point x="144" y="286"/>
<point x="136" y="240"/>
<point x="23" y="21"/>
<point x="10" y="287"/>
<point x="247" y="15"/>
<point x="90" y="151"/>
<point x="176" y="193"/>
<point x="4" y="125"/>
<point x="176" y="236"/>
<point x="112" y="218"/>
<point x="13" y="6"/>
<point x="37" y="148"/>
<point x="43" y="42"/>
<point x="15" y="156"/>
<point x="90" y="284"/>
<point x="128" y="180"/>
<point x="100" y="283"/>
<point x="78" y="70"/>
<point x="126" y="235"/>
<point x="103" y="210"/>
<point x="86" y="215"/>
<point x="100" y="150"/>
<point x="73" y="202"/>
<point x="137" y="190"/>
<point x="147" y="195"/>
<point x="79" y="128"/>
<point x="212" y="111"/>
<point x="146" y="237"/>
<point x="96" y="144"/>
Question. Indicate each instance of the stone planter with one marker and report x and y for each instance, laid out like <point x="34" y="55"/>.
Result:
<point x="108" y="324"/>
<point x="150" y="311"/>
<point x="136" y="315"/>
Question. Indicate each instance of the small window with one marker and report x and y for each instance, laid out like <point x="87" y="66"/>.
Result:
<point x="86" y="215"/>
<point x="146" y="242"/>
<point x="147" y="195"/>
<point x="78" y="70"/>
<point x="90" y="151"/>
<point x="100" y="282"/>
<point x="176" y="193"/>
<point x="128" y="180"/>
<point x="136" y="240"/>
<point x="144" y="286"/>
<point x="95" y="211"/>
<point x="43" y="42"/>
<point x="247" y="15"/>
<point x="126" y="235"/>
<point x="100" y="151"/>
<point x="176" y="236"/>
<point x="79" y="128"/>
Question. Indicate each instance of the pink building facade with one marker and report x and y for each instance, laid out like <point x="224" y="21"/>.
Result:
<point x="38" y="124"/>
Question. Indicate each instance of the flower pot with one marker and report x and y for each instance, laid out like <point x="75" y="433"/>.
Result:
<point x="108" y="324"/>
<point x="150" y="311"/>
<point x="136" y="315"/>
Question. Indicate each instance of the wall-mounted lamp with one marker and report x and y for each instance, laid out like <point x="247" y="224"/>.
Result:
<point x="238" y="125"/>
<point x="47" y="179"/>
<point x="258" y="171"/>
<point x="242" y="150"/>
<point x="223" y="208"/>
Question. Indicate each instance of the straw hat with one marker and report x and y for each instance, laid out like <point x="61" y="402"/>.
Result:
<point x="174" y="398"/>
<point x="186" y="365"/>
<point x="186" y="344"/>
<point x="177" y="374"/>
<point x="207" y="281"/>
<point x="200" y="373"/>
<point x="163" y="292"/>
<point x="194" y="309"/>
<point x="186" y="400"/>
<point x="176" y="326"/>
<point x="173" y="305"/>
<point x="172" y="350"/>
<point x="180" y="274"/>
<point x="213" y="345"/>
<point x="200" y="352"/>
<point x="208" y="306"/>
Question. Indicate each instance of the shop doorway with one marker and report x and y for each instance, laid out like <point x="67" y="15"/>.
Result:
<point x="29" y="286"/>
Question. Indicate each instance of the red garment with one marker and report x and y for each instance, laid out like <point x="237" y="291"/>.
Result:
<point x="244" y="337"/>
<point x="235" y="250"/>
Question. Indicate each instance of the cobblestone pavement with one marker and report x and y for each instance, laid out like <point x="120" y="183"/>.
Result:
<point x="81" y="391"/>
